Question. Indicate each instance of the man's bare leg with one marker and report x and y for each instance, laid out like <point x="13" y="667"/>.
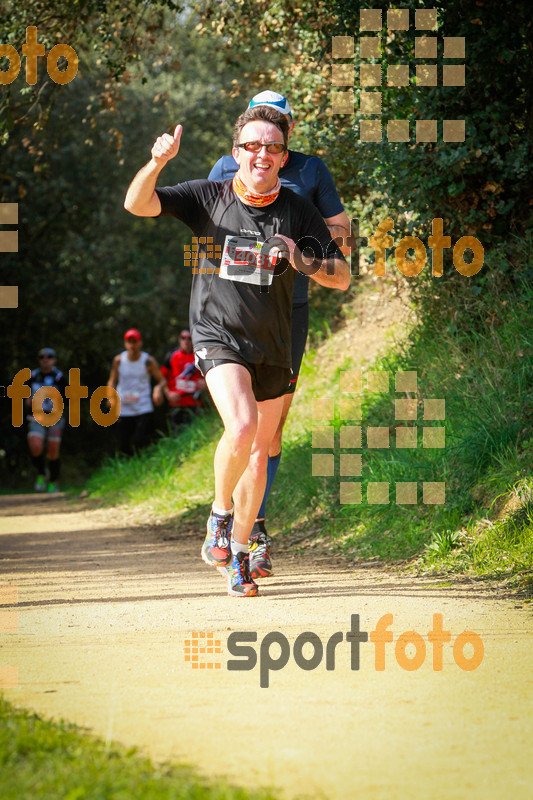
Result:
<point x="251" y="487"/>
<point x="230" y="386"/>
<point x="260" y="542"/>
<point x="274" y="452"/>
<point x="275" y="444"/>
<point x="240" y="471"/>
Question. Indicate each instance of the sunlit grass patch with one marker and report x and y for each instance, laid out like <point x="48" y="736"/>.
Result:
<point x="55" y="761"/>
<point x="483" y="373"/>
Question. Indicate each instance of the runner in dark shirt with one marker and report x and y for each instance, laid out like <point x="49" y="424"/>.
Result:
<point x="46" y="375"/>
<point x="260" y="327"/>
<point x="241" y="304"/>
<point x="309" y="177"/>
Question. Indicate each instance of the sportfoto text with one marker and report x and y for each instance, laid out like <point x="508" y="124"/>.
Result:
<point x="310" y="248"/>
<point x="238" y="645"/>
<point x="18" y="390"/>
<point x="33" y="50"/>
<point x="380" y="241"/>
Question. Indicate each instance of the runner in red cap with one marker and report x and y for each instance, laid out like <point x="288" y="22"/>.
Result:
<point x="133" y="334"/>
<point x="130" y="375"/>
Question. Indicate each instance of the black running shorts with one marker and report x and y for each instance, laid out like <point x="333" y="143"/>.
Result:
<point x="268" y="382"/>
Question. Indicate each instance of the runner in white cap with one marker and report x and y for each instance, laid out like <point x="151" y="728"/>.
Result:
<point x="272" y="99"/>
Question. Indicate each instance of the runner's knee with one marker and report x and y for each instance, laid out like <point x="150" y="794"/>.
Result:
<point x="36" y="445"/>
<point x="241" y="434"/>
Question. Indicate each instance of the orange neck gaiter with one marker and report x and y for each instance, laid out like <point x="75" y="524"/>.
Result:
<point x="251" y="198"/>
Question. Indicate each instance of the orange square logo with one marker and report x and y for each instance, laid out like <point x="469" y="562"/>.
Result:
<point x="200" y="645"/>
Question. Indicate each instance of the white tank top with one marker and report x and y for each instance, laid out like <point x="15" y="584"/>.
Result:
<point x="134" y="386"/>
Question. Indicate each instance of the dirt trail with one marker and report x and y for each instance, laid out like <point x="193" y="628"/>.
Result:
<point x="105" y="608"/>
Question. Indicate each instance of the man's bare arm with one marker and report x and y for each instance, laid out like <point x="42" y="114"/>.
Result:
<point x="339" y="228"/>
<point x="333" y="273"/>
<point x="153" y="368"/>
<point x="141" y="198"/>
<point x="113" y="375"/>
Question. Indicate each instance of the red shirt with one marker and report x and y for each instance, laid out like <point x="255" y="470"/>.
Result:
<point x="179" y="391"/>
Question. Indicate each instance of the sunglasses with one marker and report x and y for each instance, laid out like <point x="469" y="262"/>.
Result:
<point x="185" y="337"/>
<point x="45" y="356"/>
<point x="272" y="147"/>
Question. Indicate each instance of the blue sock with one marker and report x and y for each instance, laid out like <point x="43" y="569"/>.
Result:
<point x="273" y="464"/>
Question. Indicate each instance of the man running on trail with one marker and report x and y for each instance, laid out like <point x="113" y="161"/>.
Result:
<point x="184" y="383"/>
<point x="309" y="177"/>
<point x="240" y="311"/>
<point x="130" y="375"/>
<point x="47" y="375"/>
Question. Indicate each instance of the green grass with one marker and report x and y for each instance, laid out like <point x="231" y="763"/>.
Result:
<point x="474" y="351"/>
<point x="501" y="548"/>
<point x="171" y="475"/>
<point x="57" y="761"/>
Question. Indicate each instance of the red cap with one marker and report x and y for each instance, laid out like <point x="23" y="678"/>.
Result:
<point x="133" y="333"/>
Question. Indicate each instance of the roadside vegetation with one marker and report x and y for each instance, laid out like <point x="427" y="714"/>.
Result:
<point x="58" y="761"/>
<point x="472" y="354"/>
<point x="87" y="273"/>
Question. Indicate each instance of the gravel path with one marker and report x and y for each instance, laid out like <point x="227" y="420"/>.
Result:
<point x="105" y="609"/>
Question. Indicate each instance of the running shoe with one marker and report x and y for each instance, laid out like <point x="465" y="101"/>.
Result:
<point x="52" y="488"/>
<point x="240" y="584"/>
<point x="40" y="484"/>
<point x="216" y="551"/>
<point x="260" y="544"/>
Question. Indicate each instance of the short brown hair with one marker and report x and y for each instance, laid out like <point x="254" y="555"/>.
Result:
<point x="264" y="114"/>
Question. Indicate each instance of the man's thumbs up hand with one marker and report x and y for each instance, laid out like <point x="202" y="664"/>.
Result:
<point x="167" y="146"/>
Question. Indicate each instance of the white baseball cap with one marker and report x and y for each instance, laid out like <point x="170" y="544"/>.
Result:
<point x="272" y="99"/>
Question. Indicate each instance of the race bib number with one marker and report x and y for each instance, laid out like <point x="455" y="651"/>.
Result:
<point x="185" y="386"/>
<point x="131" y="398"/>
<point x="243" y="261"/>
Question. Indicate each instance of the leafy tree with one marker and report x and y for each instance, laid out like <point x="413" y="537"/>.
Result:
<point x="113" y="30"/>
<point x="86" y="269"/>
<point x="482" y="185"/>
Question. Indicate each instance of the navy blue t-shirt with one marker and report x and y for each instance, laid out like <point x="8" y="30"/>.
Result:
<point x="308" y="177"/>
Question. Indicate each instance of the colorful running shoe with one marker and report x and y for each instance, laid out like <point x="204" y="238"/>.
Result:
<point x="260" y="544"/>
<point x="40" y="484"/>
<point x="240" y="584"/>
<point x="216" y="551"/>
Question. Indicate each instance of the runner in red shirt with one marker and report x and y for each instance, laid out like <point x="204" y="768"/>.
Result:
<point x="184" y="383"/>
